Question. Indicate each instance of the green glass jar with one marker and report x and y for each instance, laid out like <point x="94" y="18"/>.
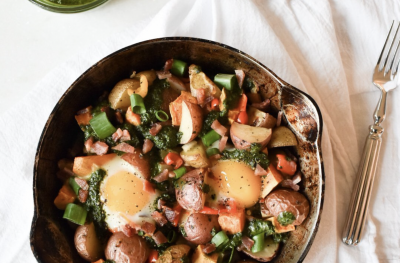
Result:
<point x="68" y="6"/>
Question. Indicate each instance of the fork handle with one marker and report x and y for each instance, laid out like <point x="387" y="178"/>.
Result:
<point x="357" y="212"/>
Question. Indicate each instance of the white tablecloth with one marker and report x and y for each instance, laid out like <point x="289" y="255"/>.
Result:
<point x="326" y="48"/>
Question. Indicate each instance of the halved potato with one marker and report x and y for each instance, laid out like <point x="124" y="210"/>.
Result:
<point x="267" y="254"/>
<point x="281" y="137"/>
<point x="150" y="75"/>
<point x="142" y="89"/>
<point x="87" y="244"/>
<point x="272" y="179"/>
<point x="119" y="97"/>
<point x="244" y="135"/>
<point x="191" y="123"/>
<point x="175" y="107"/>
<point x="176" y="84"/>
<point x="195" y="156"/>
<point x="174" y="254"/>
<point x="260" y="119"/>
<point x="199" y="80"/>
<point x="200" y="257"/>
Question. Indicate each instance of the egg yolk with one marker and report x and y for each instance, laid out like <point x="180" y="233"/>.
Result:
<point x="236" y="180"/>
<point x="124" y="193"/>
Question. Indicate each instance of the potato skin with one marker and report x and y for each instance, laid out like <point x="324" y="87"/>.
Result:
<point x="198" y="228"/>
<point x="282" y="136"/>
<point x="290" y="201"/>
<point x="173" y="254"/>
<point x="123" y="249"/>
<point x="87" y="244"/>
<point x="188" y="193"/>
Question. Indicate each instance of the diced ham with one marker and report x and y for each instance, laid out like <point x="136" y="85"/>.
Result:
<point x="83" y="195"/>
<point x="171" y="175"/>
<point x="296" y="178"/>
<point x="155" y="129"/>
<point x="88" y="144"/>
<point x="262" y="105"/>
<point x="124" y="147"/>
<point x="222" y="143"/>
<point x="260" y="171"/>
<point x="240" y="76"/>
<point x="85" y="110"/>
<point x="166" y="123"/>
<point x="82" y="183"/>
<point x="160" y="204"/>
<point x="128" y="230"/>
<point x="209" y="248"/>
<point x="159" y="238"/>
<point x="201" y="96"/>
<point x="279" y="119"/>
<point x="247" y="242"/>
<point x="161" y="177"/>
<point x="117" y="135"/>
<point x="148" y="187"/>
<point x="171" y="214"/>
<point x="159" y="218"/>
<point x="99" y="148"/>
<point x="118" y="117"/>
<point x="147" y="146"/>
<point x="168" y="64"/>
<point x="126" y="136"/>
<point x="216" y="126"/>
<point x="287" y="183"/>
<point x="163" y="74"/>
<point x="148" y="228"/>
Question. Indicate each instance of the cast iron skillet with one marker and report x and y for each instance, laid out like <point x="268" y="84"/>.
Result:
<point x="52" y="238"/>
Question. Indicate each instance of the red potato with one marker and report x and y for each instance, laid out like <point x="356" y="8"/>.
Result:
<point x="87" y="244"/>
<point x="279" y="228"/>
<point x="119" y="97"/>
<point x="121" y="249"/>
<point x="272" y="179"/>
<point x="244" y="135"/>
<point x="175" y="107"/>
<point x="137" y="160"/>
<point x="176" y="84"/>
<point x="260" y="119"/>
<point x="267" y="254"/>
<point x="198" y="228"/>
<point x="199" y="80"/>
<point x="281" y="137"/>
<point x="83" y="165"/>
<point x="192" y="121"/>
<point x="188" y="191"/>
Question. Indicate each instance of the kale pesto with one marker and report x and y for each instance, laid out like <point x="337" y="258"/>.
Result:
<point x="286" y="218"/>
<point x="209" y="119"/>
<point x="258" y="226"/>
<point x="251" y="157"/>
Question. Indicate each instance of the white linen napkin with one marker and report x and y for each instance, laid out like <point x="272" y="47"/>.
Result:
<point x="326" y="48"/>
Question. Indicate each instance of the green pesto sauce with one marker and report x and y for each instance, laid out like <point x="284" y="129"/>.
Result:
<point x="251" y="157"/>
<point x="71" y="2"/>
<point x="209" y="119"/>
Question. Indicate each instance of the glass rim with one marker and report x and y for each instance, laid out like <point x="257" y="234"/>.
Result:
<point x="67" y="8"/>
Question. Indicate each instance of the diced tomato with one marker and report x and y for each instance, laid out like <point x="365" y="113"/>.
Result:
<point x="153" y="256"/>
<point x="177" y="208"/>
<point x="231" y="207"/>
<point x="215" y="104"/>
<point x="148" y="187"/>
<point x="286" y="165"/>
<point x="242" y="117"/>
<point x="242" y="103"/>
<point x="173" y="159"/>
<point x="209" y="211"/>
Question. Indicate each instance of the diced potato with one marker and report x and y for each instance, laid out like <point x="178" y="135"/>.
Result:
<point x="222" y="98"/>
<point x="233" y="115"/>
<point x="65" y="196"/>
<point x="272" y="179"/>
<point x="232" y="223"/>
<point x="260" y="119"/>
<point x="279" y="228"/>
<point x="200" y="257"/>
<point x="191" y="123"/>
<point x="281" y="137"/>
<point x="275" y="103"/>
<point x="196" y="156"/>
<point x="175" y="107"/>
<point x="119" y="97"/>
<point x="83" y="165"/>
<point x="150" y="75"/>
<point x="174" y="254"/>
<point x="243" y="135"/>
<point x="199" y="80"/>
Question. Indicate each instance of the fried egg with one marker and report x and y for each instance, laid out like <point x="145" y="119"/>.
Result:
<point x="122" y="195"/>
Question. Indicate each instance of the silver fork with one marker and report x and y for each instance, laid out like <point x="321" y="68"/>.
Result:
<point x="384" y="78"/>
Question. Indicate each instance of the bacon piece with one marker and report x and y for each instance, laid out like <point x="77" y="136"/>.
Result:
<point x="159" y="238"/>
<point x="216" y="126"/>
<point x="209" y="248"/>
<point x="287" y="183"/>
<point x="247" y="242"/>
<point x="279" y="119"/>
<point x="148" y="228"/>
<point x="216" y="156"/>
<point x="166" y="123"/>
<point x="163" y="74"/>
<point x="99" y="148"/>
<point x="126" y="136"/>
<point x="262" y="105"/>
<point x="170" y="214"/>
<point x="148" y="187"/>
<point x="147" y="146"/>
<point x="85" y="110"/>
<point x="88" y="144"/>
<point x="161" y="177"/>
<point x="128" y="230"/>
<point x="201" y="96"/>
<point x="82" y="183"/>
<point x="260" y="171"/>
<point x="168" y="64"/>
<point x="159" y="218"/>
<point x="124" y="147"/>
<point x="155" y="129"/>
<point x="117" y="135"/>
<point x="64" y="174"/>
<point x="83" y="195"/>
<point x="119" y="118"/>
<point x="240" y="76"/>
<point x="222" y="143"/>
<point x="137" y="160"/>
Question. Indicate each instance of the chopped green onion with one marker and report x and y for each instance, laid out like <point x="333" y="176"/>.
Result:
<point x="137" y="104"/>
<point x="75" y="213"/>
<point x="102" y="126"/>
<point x="162" y="115"/>
<point x="258" y="243"/>
<point x="179" y="172"/>
<point x="212" y="151"/>
<point x="227" y="81"/>
<point x="171" y="236"/>
<point x="219" y="239"/>
<point x="74" y="185"/>
<point x="179" y="68"/>
<point x="210" y="138"/>
<point x="140" y="233"/>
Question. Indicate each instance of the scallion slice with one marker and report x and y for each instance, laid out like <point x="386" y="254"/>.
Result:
<point x="219" y="238"/>
<point x="258" y="243"/>
<point x="74" y="185"/>
<point x="212" y="151"/>
<point x="162" y="115"/>
<point x="227" y="81"/>
<point x="137" y="104"/>
<point x="75" y="213"/>
<point x="210" y="138"/>
<point x="179" y="172"/>
<point x="179" y="68"/>
<point x="102" y="126"/>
